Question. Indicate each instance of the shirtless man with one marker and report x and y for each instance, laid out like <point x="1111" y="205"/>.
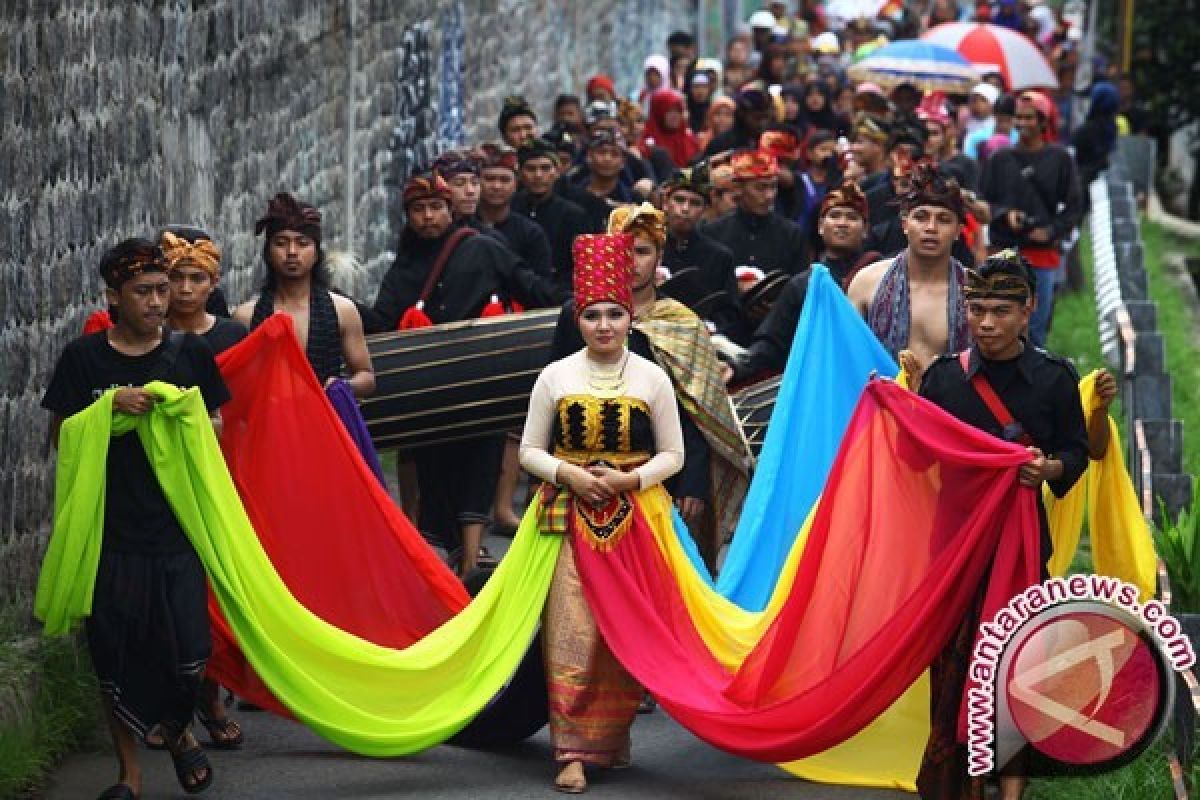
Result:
<point x="914" y="302"/>
<point x="328" y="325"/>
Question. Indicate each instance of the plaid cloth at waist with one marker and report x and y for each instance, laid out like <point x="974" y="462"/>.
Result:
<point x="556" y="500"/>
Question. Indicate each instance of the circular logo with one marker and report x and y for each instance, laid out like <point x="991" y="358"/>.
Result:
<point x="1084" y="688"/>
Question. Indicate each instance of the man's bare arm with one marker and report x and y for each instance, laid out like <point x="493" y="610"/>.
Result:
<point x="354" y="348"/>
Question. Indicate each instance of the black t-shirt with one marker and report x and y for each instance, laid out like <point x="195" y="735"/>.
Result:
<point x="224" y="334"/>
<point x="137" y="517"/>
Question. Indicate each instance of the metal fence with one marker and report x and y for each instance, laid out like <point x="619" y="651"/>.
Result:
<point x="1134" y="346"/>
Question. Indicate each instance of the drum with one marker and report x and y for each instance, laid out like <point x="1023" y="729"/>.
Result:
<point x="753" y="406"/>
<point x="459" y="380"/>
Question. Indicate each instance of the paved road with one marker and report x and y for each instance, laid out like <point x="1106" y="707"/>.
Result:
<point x="284" y="760"/>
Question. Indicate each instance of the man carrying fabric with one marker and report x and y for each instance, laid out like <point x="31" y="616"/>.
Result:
<point x="1036" y="201"/>
<point x="758" y="235"/>
<point x="297" y="284"/>
<point x="1003" y="385"/>
<point x="148" y="632"/>
<point x="686" y="197"/>
<point x="915" y="301"/>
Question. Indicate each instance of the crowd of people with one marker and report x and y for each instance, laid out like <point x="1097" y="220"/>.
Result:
<point x="677" y="223"/>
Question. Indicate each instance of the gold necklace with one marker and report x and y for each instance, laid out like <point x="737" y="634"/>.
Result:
<point x="607" y="383"/>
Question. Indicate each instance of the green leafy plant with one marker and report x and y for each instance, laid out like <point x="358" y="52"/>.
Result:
<point x="1179" y="549"/>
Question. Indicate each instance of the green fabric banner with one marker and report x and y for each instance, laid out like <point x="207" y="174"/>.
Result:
<point x="369" y="699"/>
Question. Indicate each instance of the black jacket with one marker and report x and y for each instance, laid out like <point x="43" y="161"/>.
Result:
<point x="1044" y="184"/>
<point x="769" y="242"/>
<point x="479" y="267"/>
<point x="527" y="240"/>
<point x="715" y="262"/>
<point x="561" y="221"/>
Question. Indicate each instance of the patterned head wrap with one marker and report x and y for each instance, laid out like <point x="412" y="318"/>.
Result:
<point x="514" y="106"/>
<point x="872" y="127"/>
<point x="644" y="220"/>
<point x="130" y="258"/>
<point x="848" y="195"/>
<point x="537" y="147"/>
<point x="931" y="188"/>
<point x="286" y="213"/>
<point x="689" y="179"/>
<point x="457" y="162"/>
<point x="784" y="145"/>
<point x="603" y="270"/>
<point x="497" y="156"/>
<point x="423" y="187"/>
<point x="1004" y="276"/>
<point x="753" y="165"/>
<point x="179" y="252"/>
<point x="605" y="136"/>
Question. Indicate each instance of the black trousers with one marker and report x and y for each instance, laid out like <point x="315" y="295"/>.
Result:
<point x="457" y="481"/>
<point x="149" y="635"/>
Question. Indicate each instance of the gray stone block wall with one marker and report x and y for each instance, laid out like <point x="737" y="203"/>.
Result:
<point x="118" y="118"/>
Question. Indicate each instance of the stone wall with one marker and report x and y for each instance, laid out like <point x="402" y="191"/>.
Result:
<point x="118" y="118"/>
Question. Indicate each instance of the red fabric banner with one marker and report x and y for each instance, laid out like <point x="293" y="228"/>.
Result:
<point x="335" y="537"/>
<point x="919" y="510"/>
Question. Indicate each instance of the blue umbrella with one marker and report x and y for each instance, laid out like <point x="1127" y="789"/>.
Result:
<point x="929" y="67"/>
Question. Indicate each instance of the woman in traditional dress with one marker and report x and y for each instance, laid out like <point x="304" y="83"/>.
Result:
<point x="603" y="428"/>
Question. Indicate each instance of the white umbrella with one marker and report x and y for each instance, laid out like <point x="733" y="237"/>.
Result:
<point x="1015" y="55"/>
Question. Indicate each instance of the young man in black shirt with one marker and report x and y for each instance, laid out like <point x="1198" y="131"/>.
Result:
<point x="1036" y="201"/>
<point x="194" y="268"/>
<point x="457" y="480"/>
<point x="758" y="235"/>
<point x="1011" y="389"/>
<point x="560" y="219"/>
<point x="686" y="198"/>
<point x="148" y="633"/>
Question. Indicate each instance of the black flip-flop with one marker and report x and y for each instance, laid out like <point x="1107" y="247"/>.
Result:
<point x="187" y="763"/>
<point x="120" y="791"/>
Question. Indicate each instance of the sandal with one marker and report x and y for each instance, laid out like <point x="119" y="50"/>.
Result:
<point x="120" y="791"/>
<point x="485" y="560"/>
<point x="188" y="761"/>
<point x="223" y="734"/>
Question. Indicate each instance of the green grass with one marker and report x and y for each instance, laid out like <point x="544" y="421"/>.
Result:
<point x="65" y="706"/>
<point x="1176" y="319"/>
<point x="1146" y="778"/>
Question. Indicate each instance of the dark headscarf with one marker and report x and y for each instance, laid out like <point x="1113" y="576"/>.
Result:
<point x="1103" y="111"/>
<point x="825" y="119"/>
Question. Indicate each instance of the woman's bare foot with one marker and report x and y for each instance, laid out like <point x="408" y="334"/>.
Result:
<point x="571" y="779"/>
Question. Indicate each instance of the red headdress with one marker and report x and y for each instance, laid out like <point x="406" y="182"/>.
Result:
<point x="603" y="270"/>
<point x="753" y="165"/>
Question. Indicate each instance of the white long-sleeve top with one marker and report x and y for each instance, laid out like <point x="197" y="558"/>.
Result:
<point x="644" y="380"/>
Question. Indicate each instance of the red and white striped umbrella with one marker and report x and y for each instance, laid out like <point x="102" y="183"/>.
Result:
<point x="1012" y="54"/>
